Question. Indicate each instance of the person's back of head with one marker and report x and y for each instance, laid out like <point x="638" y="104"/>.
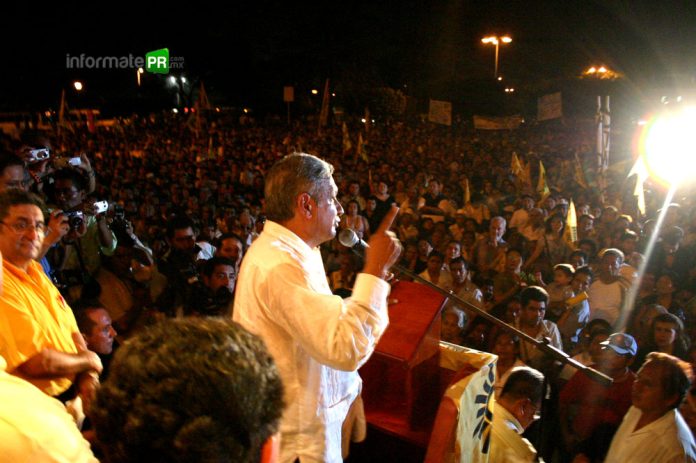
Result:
<point x="193" y="390"/>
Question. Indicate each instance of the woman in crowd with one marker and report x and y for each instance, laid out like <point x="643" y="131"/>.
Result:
<point x="354" y="221"/>
<point x="551" y="249"/>
<point x="666" y="335"/>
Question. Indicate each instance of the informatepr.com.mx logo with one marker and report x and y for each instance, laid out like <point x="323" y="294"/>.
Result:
<point x="156" y="61"/>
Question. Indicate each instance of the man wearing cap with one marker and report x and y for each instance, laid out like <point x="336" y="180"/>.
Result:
<point x="591" y="412"/>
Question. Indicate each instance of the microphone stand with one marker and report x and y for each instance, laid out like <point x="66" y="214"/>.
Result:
<point x="543" y="345"/>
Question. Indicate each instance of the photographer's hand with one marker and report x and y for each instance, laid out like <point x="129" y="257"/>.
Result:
<point x="58" y="227"/>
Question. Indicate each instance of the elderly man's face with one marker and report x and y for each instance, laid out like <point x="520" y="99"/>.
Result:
<point x="496" y="229"/>
<point x="328" y="213"/>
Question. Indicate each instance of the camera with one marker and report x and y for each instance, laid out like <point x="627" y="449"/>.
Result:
<point x="101" y="206"/>
<point x="38" y="155"/>
<point x="119" y="212"/>
<point x="75" y="219"/>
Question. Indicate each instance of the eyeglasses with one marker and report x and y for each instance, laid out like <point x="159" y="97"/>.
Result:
<point x="22" y="227"/>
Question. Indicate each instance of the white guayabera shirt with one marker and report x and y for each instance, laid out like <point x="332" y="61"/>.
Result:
<point x="318" y="340"/>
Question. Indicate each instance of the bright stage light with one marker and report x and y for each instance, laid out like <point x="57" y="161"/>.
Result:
<point x="668" y="146"/>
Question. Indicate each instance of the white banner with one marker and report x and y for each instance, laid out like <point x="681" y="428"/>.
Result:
<point x="440" y="112"/>
<point x="497" y="123"/>
<point x="549" y="107"/>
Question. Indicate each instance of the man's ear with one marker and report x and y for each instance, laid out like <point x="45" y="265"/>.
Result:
<point x="304" y="205"/>
<point x="270" y="452"/>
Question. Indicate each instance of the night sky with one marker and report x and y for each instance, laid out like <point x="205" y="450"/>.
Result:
<point x="246" y="51"/>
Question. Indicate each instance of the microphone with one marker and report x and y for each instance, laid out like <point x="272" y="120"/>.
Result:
<point x="349" y="239"/>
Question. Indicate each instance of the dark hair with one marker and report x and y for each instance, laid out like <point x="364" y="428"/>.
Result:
<point x="579" y="252"/>
<point x="227" y="236"/>
<point x="294" y="174"/>
<point x="458" y="260"/>
<point x="565" y="268"/>
<point x="533" y="293"/>
<point x="585" y="269"/>
<point x="8" y="159"/>
<point x="189" y="390"/>
<point x="524" y="383"/>
<point x="551" y="219"/>
<point x="78" y="180"/>
<point x="84" y="322"/>
<point x="680" y="342"/>
<point x="589" y="242"/>
<point x="14" y="197"/>
<point x="209" y="265"/>
<point x="676" y="375"/>
<point x="179" y="222"/>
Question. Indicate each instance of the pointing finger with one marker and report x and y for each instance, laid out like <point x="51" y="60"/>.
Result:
<point x="388" y="219"/>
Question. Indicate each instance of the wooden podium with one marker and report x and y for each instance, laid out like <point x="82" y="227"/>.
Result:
<point x="402" y="382"/>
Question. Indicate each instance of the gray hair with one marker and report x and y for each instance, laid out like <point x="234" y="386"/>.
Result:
<point x="293" y="175"/>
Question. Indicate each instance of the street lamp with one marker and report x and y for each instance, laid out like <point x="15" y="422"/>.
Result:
<point x="78" y="85"/>
<point x="495" y="40"/>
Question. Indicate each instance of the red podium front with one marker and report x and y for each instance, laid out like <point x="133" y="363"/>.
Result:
<point x="402" y="385"/>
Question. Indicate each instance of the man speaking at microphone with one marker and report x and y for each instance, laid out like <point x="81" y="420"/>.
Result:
<point x="317" y="339"/>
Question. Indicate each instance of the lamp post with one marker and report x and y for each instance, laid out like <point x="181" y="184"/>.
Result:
<point x="495" y="40"/>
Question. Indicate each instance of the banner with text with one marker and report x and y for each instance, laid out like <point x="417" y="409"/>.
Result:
<point x="440" y="112"/>
<point x="549" y="107"/>
<point x="497" y="123"/>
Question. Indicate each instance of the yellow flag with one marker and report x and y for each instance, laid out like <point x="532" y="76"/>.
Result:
<point x="528" y="173"/>
<point x="542" y="188"/>
<point x="347" y="145"/>
<point x="571" y="230"/>
<point x="324" y="113"/>
<point x="360" y="149"/>
<point x="640" y="193"/>
<point x="579" y="174"/>
<point x="515" y="166"/>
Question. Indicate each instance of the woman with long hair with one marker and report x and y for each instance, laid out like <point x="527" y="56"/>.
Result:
<point x="354" y="221"/>
<point x="551" y="249"/>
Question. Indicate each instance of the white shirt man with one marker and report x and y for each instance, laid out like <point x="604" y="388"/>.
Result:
<point x="653" y="429"/>
<point x="606" y="295"/>
<point x="318" y="340"/>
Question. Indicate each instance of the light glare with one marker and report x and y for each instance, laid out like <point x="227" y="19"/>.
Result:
<point x="669" y="146"/>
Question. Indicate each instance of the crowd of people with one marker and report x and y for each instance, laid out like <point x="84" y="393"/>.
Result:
<point x="186" y="201"/>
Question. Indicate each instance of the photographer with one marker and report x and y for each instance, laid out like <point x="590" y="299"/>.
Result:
<point x="179" y="266"/>
<point x="214" y="296"/>
<point x="78" y="256"/>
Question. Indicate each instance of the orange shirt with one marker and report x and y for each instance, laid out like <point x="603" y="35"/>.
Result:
<point x="34" y="316"/>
